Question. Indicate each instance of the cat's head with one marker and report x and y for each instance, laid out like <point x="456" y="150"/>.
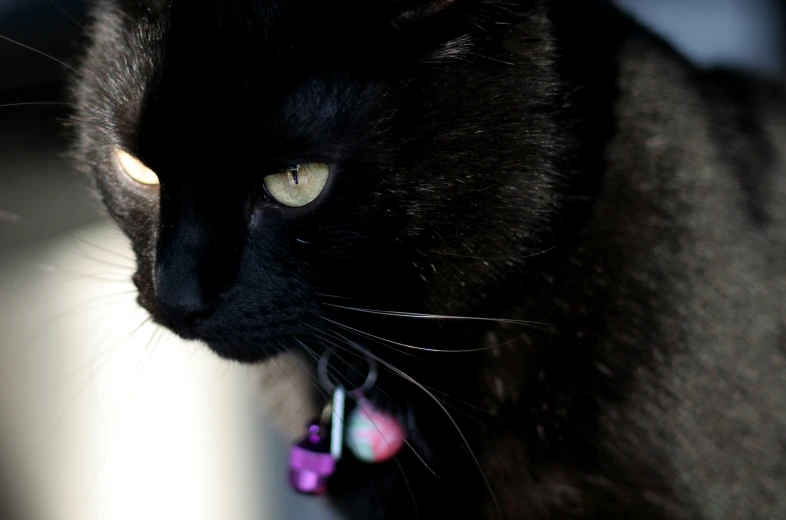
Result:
<point x="270" y="159"/>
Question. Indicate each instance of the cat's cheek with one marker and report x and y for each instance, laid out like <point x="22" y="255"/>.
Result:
<point x="264" y="216"/>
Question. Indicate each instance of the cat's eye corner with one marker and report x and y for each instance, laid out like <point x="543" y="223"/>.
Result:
<point x="135" y="170"/>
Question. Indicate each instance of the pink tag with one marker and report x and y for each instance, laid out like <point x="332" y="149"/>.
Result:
<point x="373" y="436"/>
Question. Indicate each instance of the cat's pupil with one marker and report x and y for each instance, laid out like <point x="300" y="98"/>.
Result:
<point x="294" y="171"/>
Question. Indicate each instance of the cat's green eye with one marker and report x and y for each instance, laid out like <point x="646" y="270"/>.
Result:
<point x="299" y="185"/>
<point x="136" y="170"/>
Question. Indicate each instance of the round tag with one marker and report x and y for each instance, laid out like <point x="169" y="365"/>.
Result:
<point x="373" y="436"/>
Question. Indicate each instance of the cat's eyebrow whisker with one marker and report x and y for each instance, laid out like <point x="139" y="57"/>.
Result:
<point x="66" y="13"/>
<point x="33" y="49"/>
<point x="406" y="377"/>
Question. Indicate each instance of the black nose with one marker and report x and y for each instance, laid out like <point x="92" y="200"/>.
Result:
<point x="183" y="305"/>
<point x="180" y="296"/>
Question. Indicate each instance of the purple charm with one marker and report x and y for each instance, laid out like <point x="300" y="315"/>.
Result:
<point x="310" y="462"/>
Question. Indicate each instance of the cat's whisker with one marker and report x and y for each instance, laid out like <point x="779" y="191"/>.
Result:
<point x="380" y="341"/>
<point x="103" y="363"/>
<point x="32" y="104"/>
<point x="152" y="344"/>
<point x="33" y="49"/>
<point x="326" y="342"/>
<point x="438" y="316"/>
<point x="106" y="250"/>
<point x="325" y="335"/>
<point x="342" y="338"/>
<point x="337" y="336"/>
<point x="533" y="325"/>
<point x="323" y="392"/>
<point x="413" y="347"/>
<point x="102" y="352"/>
<point x="398" y="462"/>
<point x="108" y="277"/>
<point x="104" y="301"/>
<point x="439" y="403"/>
<point x="67" y="14"/>
<point x="324" y="295"/>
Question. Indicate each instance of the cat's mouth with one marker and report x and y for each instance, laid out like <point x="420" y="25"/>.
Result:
<point x="225" y="335"/>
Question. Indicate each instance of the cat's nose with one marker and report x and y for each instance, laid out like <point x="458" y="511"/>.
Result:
<point x="182" y="299"/>
<point x="185" y="305"/>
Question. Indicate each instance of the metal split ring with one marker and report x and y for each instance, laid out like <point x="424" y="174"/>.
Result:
<point x="330" y="386"/>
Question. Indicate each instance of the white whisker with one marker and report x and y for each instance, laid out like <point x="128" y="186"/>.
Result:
<point x="414" y="347"/>
<point x="66" y="13"/>
<point x="316" y="358"/>
<point x="405" y="376"/>
<point x="33" y="49"/>
<point x="398" y="462"/>
<point x="31" y="103"/>
<point x="437" y="316"/>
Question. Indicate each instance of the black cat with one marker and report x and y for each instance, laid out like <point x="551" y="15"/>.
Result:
<point x="564" y="244"/>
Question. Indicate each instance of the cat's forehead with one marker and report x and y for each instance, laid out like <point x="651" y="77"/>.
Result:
<point x="255" y="18"/>
<point x="209" y="70"/>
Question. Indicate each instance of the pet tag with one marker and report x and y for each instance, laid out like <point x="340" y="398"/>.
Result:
<point x="337" y="422"/>
<point x="373" y="436"/>
<point x="311" y="462"/>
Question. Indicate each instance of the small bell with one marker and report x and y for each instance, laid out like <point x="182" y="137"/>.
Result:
<point x="310" y="461"/>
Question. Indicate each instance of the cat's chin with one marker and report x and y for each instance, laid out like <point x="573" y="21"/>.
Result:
<point x="246" y="350"/>
<point x="240" y="352"/>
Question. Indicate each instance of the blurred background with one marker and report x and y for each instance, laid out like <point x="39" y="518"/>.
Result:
<point x="103" y="416"/>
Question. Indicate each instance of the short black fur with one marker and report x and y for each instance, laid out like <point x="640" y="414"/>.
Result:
<point x="542" y="160"/>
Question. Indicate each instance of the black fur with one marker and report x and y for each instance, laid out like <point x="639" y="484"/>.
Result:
<point x="544" y="160"/>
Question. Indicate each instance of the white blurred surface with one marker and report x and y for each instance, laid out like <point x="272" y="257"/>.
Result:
<point x="105" y="419"/>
